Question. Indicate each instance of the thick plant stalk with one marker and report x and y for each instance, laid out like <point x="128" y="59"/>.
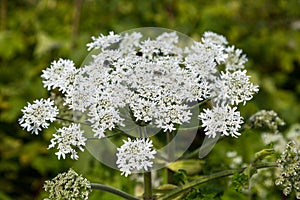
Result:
<point x="113" y="190"/>
<point x="171" y="153"/>
<point x="147" y="174"/>
<point x="147" y="186"/>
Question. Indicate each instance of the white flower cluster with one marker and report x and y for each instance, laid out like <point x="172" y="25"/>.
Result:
<point x="38" y="115"/>
<point x="156" y="79"/>
<point x="68" y="185"/>
<point x="234" y="87"/>
<point x="221" y="119"/>
<point x="60" y="75"/>
<point x="135" y="155"/>
<point x="67" y="137"/>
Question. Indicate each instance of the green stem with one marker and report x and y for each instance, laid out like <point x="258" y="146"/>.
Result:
<point x="147" y="186"/>
<point x="172" y="194"/>
<point x="171" y="153"/>
<point x="147" y="175"/>
<point x="113" y="190"/>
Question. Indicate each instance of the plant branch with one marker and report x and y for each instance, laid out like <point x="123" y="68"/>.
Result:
<point x="172" y="194"/>
<point x="113" y="190"/>
<point x="148" y="195"/>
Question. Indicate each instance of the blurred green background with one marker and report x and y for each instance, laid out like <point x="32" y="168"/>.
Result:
<point x="33" y="33"/>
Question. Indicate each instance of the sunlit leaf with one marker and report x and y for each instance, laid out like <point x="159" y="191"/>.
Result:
<point x="191" y="166"/>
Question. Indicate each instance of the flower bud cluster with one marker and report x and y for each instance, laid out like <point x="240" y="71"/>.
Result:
<point x="68" y="185"/>
<point x="266" y="118"/>
<point x="289" y="163"/>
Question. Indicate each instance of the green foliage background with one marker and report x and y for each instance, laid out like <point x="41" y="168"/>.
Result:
<point x="35" y="32"/>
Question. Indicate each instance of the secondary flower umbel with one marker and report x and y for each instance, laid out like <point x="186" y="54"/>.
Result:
<point x="135" y="155"/>
<point x="221" y="119"/>
<point x="66" y="138"/>
<point x="38" y="115"/>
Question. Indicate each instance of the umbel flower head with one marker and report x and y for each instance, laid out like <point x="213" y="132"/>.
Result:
<point x="135" y="155"/>
<point x="289" y="164"/>
<point x="66" y="138"/>
<point x="221" y="119"/>
<point x="38" y="115"/>
<point x="68" y="185"/>
<point x="157" y="80"/>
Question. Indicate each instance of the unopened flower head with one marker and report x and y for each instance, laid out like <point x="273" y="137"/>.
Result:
<point x="68" y="185"/>
<point x="66" y="139"/>
<point x="266" y="118"/>
<point x="135" y="155"/>
<point x="289" y="164"/>
<point x="38" y="115"/>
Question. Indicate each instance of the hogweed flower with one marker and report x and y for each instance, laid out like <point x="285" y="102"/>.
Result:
<point x="235" y="60"/>
<point x="277" y="141"/>
<point x="221" y="119"/>
<point x="66" y="139"/>
<point x="38" y="115"/>
<point x="234" y="87"/>
<point x="289" y="164"/>
<point x="103" y="41"/>
<point x="59" y="75"/>
<point x="135" y="155"/>
<point x="68" y="185"/>
<point x="157" y="80"/>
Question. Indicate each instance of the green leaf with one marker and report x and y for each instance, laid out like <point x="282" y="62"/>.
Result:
<point x="191" y="166"/>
